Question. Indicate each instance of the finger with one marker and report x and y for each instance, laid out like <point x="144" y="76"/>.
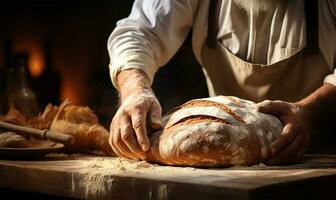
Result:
<point x="139" y="125"/>
<point x="155" y="113"/>
<point x="114" y="148"/>
<point x="277" y="108"/>
<point x="288" y="154"/>
<point x="287" y="135"/>
<point x="121" y="147"/>
<point x="128" y="136"/>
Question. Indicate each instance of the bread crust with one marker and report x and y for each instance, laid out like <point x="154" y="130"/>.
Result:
<point x="212" y="132"/>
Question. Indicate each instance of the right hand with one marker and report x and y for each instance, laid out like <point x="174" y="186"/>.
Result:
<point x="128" y="136"/>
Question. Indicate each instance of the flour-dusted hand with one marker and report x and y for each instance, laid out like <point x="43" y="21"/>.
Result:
<point x="295" y="136"/>
<point x="139" y="109"/>
<point x="129" y="134"/>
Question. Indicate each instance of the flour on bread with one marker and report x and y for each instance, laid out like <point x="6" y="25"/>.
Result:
<point x="194" y="111"/>
<point x="230" y="131"/>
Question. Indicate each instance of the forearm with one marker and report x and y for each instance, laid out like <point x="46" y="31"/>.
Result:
<point x="149" y="37"/>
<point x="320" y="105"/>
<point x="131" y="80"/>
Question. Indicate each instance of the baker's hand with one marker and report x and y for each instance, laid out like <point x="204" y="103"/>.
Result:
<point x="139" y="109"/>
<point x="295" y="137"/>
<point x="128" y="136"/>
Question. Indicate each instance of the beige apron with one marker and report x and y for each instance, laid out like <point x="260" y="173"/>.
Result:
<point x="291" y="79"/>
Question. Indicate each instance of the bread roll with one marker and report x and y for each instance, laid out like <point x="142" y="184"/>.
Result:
<point x="217" y="131"/>
<point x="13" y="140"/>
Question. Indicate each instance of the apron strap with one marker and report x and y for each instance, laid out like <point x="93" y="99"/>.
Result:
<point x="213" y="19"/>
<point x="312" y="27"/>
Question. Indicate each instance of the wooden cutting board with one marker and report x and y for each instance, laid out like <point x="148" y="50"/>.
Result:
<point x="92" y="177"/>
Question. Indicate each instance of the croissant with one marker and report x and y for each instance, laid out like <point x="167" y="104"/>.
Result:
<point x="78" y="121"/>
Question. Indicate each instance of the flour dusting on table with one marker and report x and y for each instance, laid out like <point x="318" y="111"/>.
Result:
<point x="104" y="166"/>
<point x="99" y="173"/>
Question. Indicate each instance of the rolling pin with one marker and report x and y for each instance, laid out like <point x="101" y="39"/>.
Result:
<point x="42" y="134"/>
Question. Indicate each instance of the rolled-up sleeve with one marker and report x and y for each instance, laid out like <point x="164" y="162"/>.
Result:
<point x="331" y="78"/>
<point x="149" y="36"/>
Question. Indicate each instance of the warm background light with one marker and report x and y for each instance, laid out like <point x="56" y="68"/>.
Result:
<point x="36" y="63"/>
<point x="71" y="89"/>
<point x="33" y="46"/>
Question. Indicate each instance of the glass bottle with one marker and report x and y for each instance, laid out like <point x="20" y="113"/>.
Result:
<point x="19" y="95"/>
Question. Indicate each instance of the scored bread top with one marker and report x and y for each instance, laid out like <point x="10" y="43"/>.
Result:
<point x="214" y="131"/>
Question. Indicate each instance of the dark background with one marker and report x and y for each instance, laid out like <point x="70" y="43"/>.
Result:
<point x="67" y="55"/>
<point x="65" y="41"/>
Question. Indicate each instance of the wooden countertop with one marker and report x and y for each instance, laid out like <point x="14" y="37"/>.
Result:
<point x="92" y="177"/>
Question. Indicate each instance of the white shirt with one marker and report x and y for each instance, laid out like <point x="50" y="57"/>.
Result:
<point x="155" y="30"/>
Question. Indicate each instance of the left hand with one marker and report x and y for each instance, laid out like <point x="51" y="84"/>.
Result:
<point x="295" y="137"/>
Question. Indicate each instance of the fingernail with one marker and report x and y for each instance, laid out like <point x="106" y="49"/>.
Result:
<point x="144" y="147"/>
<point x="142" y="156"/>
<point x="157" y="124"/>
<point x="157" y="121"/>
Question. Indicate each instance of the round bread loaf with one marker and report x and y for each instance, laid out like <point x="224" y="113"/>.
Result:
<point x="217" y="131"/>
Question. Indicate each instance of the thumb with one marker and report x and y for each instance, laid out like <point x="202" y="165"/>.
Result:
<point x="155" y="118"/>
<point x="278" y="108"/>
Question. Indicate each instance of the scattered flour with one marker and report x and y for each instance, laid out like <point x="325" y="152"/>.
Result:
<point x="260" y="165"/>
<point x="104" y="165"/>
<point x="99" y="172"/>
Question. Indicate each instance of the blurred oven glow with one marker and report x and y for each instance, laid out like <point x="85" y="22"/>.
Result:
<point x="36" y="64"/>
<point x="33" y="46"/>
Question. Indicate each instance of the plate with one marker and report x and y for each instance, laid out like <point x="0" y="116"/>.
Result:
<point x="37" y="151"/>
